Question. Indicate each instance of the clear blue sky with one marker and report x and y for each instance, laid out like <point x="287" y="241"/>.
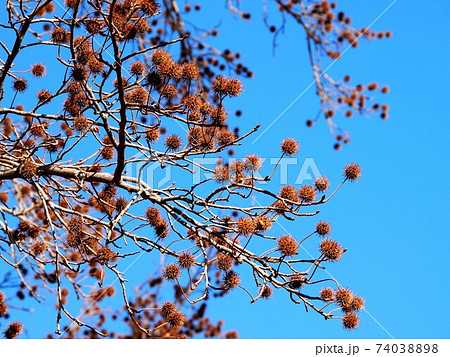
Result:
<point x="393" y="221"/>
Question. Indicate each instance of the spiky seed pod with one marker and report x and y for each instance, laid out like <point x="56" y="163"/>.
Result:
<point x="152" y="134"/>
<point x="357" y="303"/>
<point x="37" y="130"/>
<point x="107" y="153"/>
<point x="94" y="25"/>
<point x="231" y="280"/>
<point x="137" y="96"/>
<point x="3" y="309"/>
<point x="322" y="184"/>
<point x="266" y="292"/>
<point x="43" y="95"/>
<point x="24" y="226"/>
<point x="153" y="216"/>
<point x="352" y="172"/>
<point x="167" y="308"/>
<point x="120" y="204"/>
<point x="73" y="240"/>
<point x="80" y="73"/>
<point x="2" y="297"/>
<point x="176" y="319"/>
<point x="253" y="163"/>
<point x="221" y="174"/>
<point x="13" y="330"/>
<point x="225" y="137"/>
<point x="38" y="70"/>
<point x="350" y="321"/>
<point x="234" y="87"/>
<point x="246" y="226"/>
<point x="287" y="245"/>
<point x="71" y="4"/>
<point x="109" y="191"/>
<point x="173" y="142"/>
<point x="289" y="146"/>
<point x="137" y="68"/>
<point x="224" y="261"/>
<point x="28" y="169"/>
<point x="219" y="115"/>
<point x="219" y="85"/>
<point x="162" y="229"/>
<point x="296" y="281"/>
<point x="80" y="124"/>
<point x="190" y="71"/>
<point x="168" y="91"/>
<point x="331" y="249"/>
<point x="20" y="85"/>
<point x="307" y="193"/>
<point x="323" y="228"/>
<point x="263" y="224"/>
<point x="327" y="294"/>
<point x="343" y="297"/>
<point x="148" y="7"/>
<point x="95" y="66"/>
<point x="186" y="260"/>
<point x="105" y="255"/>
<point x="171" y="272"/>
<point x="60" y="35"/>
<point x="38" y="248"/>
<point x="191" y="102"/>
<point x="34" y="231"/>
<point x="289" y="192"/>
<point x="75" y="226"/>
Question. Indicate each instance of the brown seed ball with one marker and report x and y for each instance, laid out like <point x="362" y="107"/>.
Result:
<point x="38" y="70"/>
<point x="28" y="169"/>
<point x="121" y="204"/>
<point x="323" y="228"/>
<point x="343" y="297"/>
<point x="245" y="226"/>
<point x="168" y="91"/>
<point x="331" y="249"/>
<point x="225" y="137"/>
<point x="176" y="319"/>
<point x="289" y="192"/>
<point x="352" y="172"/>
<point x="350" y="321"/>
<point x="137" y="96"/>
<point x="13" y="330"/>
<point x="287" y="245"/>
<point x="322" y="184"/>
<point x="171" y="272"/>
<point x="107" y="153"/>
<point x="173" y="142"/>
<point x="307" y="193"/>
<point x="105" y="255"/>
<point x="357" y="303"/>
<point x="186" y="260"/>
<point x="152" y="134"/>
<point x="38" y="248"/>
<point x="162" y="229"/>
<point x="263" y="224"/>
<point x="60" y="35"/>
<point x="296" y="281"/>
<point x="190" y="71"/>
<point x="43" y="95"/>
<point x="80" y="124"/>
<point x="20" y="85"/>
<point x="266" y="292"/>
<point x="153" y="216"/>
<point x="3" y="309"/>
<point x="327" y="294"/>
<point x="231" y="280"/>
<point x="137" y="68"/>
<point x="224" y="261"/>
<point x="221" y="174"/>
<point x="289" y="146"/>
<point x="167" y="308"/>
<point x="253" y="163"/>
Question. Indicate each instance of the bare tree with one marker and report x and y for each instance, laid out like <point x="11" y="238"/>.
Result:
<point x="76" y="206"/>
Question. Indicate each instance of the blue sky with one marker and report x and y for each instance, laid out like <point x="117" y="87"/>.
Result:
<point x="392" y="220"/>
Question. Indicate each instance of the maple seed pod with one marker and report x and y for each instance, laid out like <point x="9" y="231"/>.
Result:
<point x="323" y="228"/>
<point x="287" y="245"/>
<point x="289" y="146"/>
<point x="171" y="272"/>
<point x="352" y="172"/>
<point x="350" y="321"/>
